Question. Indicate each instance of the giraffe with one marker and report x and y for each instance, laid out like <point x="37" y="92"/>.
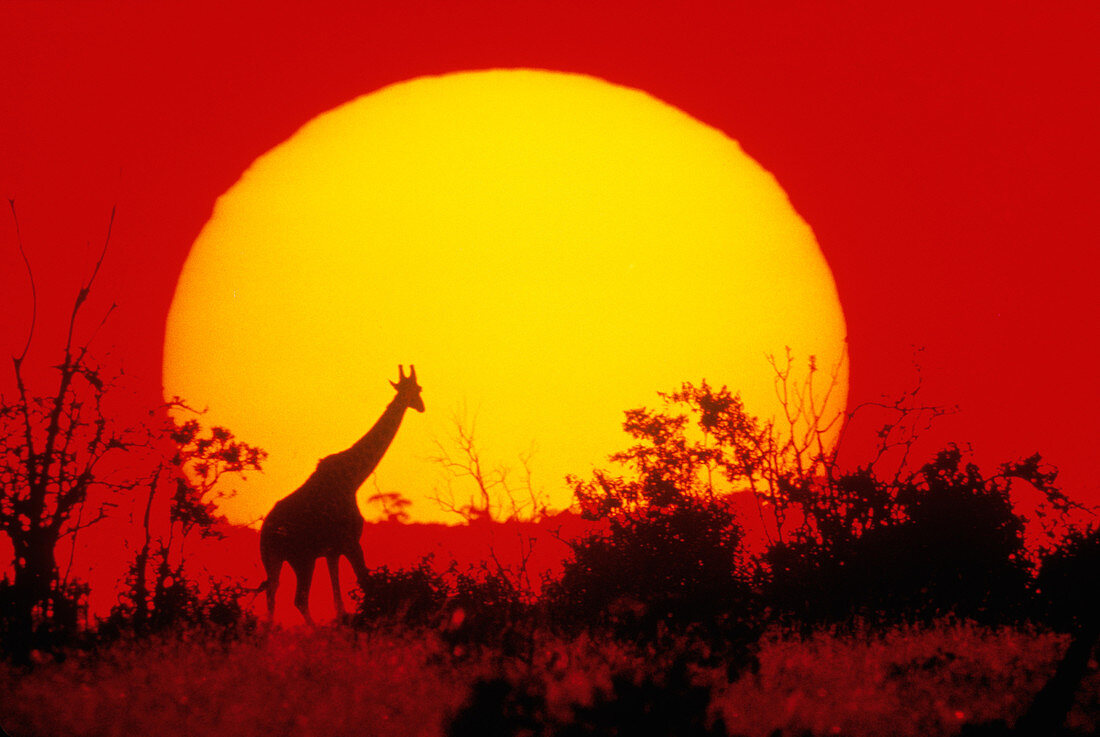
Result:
<point x="321" y="519"/>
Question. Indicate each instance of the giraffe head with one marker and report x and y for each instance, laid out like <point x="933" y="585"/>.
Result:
<point x="408" y="391"/>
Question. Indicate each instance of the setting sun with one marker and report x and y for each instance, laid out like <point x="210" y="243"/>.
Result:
<point x="549" y="250"/>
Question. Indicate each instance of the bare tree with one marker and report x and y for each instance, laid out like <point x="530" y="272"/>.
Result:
<point x="493" y="494"/>
<point x="53" y="449"/>
<point x="491" y="490"/>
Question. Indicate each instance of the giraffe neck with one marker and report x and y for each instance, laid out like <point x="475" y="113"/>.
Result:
<point x="363" y="457"/>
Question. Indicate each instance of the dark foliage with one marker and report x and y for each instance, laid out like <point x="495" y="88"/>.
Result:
<point x="485" y="607"/>
<point x="414" y="596"/>
<point x="665" y="703"/>
<point x="658" y="569"/>
<point x="1067" y="581"/>
<point x="499" y="708"/>
<point x="470" y="609"/>
<point x="883" y="544"/>
<point x="963" y="544"/>
<point x="950" y="543"/>
<point x="179" y="500"/>
<point x="178" y="605"/>
<point x="57" y="622"/>
<point x="670" y="560"/>
<point x="661" y="703"/>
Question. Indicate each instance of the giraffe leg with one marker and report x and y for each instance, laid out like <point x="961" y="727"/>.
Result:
<point x="354" y="554"/>
<point x="334" y="575"/>
<point x="272" y="587"/>
<point x="304" y="573"/>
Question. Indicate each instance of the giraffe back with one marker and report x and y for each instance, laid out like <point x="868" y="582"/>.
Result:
<point x="319" y="518"/>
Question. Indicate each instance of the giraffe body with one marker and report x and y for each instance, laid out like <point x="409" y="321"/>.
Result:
<point x="321" y="518"/>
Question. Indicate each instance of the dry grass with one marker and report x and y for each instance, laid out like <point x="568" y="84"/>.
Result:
<point x="909" y="681"/>
<point x="324" y="682"/>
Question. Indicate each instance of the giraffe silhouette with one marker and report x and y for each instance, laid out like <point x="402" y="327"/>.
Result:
<point x="321" y="519"/>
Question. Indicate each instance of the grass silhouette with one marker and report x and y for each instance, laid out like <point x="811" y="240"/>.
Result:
<point x="907" y="680"/>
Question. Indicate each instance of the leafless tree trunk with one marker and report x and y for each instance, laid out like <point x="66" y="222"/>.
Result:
<point x="52" y="448"/>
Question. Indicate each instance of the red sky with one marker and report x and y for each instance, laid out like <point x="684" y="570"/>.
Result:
<point x="947" y="162"/>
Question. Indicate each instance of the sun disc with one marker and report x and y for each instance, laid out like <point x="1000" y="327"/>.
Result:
<point x="549" y="250"/>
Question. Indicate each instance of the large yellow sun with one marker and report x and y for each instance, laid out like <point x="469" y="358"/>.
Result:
<point x="549" y="250"/>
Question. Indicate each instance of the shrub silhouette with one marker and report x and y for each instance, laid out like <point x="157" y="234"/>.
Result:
<point x="178" y="604"/>
<point x="655" y="568"/>
<point x="414" y="596"/>
<point x="179" y="500"/>
<point x="486" y="608"/>
<point x="662" y="702"/>
<point x="476" y="607"/>
<point x="1066" y="582"/>
<point x="962" y="543"/>
<point x="883" y="543"/>
<point x="498" y="708"/>
<point x="670" y="558"/>
<point x="950" y="543"/>
<point x="58" y="622"/>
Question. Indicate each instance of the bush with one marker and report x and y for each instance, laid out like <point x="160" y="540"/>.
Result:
<point x="1065" y="585"/>
<point x="415" y="596"/>
<point x="952" y="545"/>
<point x="55" y="628"/>
<point x="659" y="569"/>
<point x="670" y="560"/>
<point x="176" y="604"/>
<point x="486" y="608"/>
<point x="660" y="701"/>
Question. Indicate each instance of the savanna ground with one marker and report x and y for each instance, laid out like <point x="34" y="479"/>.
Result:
<point x="395" y="680"/>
